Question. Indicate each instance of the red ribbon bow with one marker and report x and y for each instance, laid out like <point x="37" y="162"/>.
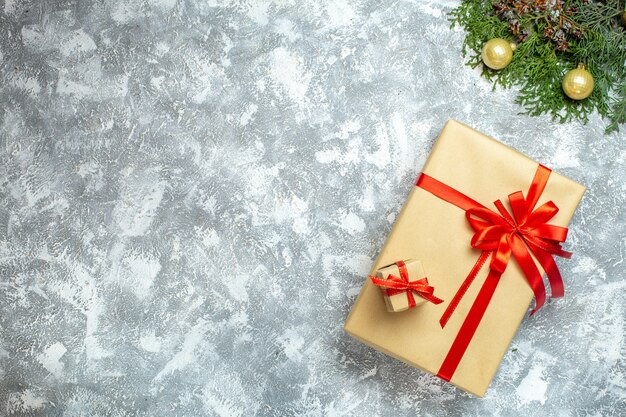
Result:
<point x="397" y="285"/>
<point x="522" y="234"/>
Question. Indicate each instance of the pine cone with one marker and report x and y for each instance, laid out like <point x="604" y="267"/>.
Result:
<point x="522" y="36"/>
<point x="498" y="7"/>
<point x="514" y="26"/>
<point x="549" y="32"/>
<point x="561" y="46"/>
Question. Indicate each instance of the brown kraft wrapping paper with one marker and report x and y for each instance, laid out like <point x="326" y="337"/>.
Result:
<point x="437" y="232"/>
<point x="400" y="302"/>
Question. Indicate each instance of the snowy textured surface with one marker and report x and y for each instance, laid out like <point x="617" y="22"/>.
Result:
<point x="192" y="193"/>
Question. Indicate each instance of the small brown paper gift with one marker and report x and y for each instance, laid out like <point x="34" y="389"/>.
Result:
<point x="456" y="251"/>
<point x="414" y="274"/>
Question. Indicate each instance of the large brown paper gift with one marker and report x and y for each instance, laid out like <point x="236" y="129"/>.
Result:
<point x="438" y="233"/>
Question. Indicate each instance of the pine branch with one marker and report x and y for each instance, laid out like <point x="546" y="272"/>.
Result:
<point x="553" y="37"/>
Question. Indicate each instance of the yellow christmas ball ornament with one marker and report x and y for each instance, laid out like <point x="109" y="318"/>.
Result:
<point x="497" y="53"/>
<point x="578" y="83"/>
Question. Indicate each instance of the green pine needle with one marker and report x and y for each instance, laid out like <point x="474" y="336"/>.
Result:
<point x="538" y="68"/>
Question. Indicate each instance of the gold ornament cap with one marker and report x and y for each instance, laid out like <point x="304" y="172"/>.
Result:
<point x="578" y="83"/>
<point x="497" y="53"/>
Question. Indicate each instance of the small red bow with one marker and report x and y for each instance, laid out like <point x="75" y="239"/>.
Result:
<point x="397" y="285"/>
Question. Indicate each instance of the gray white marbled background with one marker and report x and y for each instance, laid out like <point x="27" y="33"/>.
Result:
<point x="192" y="192"/>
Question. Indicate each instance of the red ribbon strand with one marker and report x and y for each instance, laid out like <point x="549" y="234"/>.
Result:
<point x="521" y="234"/>
<point x="397" y="285"/>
